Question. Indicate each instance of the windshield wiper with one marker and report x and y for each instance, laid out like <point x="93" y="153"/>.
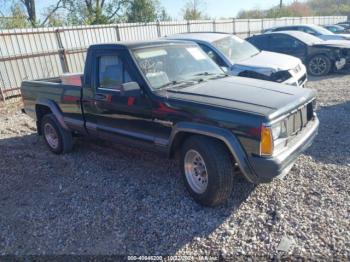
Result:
<point x="215" y="75"/>
<point x="175" y="83"/>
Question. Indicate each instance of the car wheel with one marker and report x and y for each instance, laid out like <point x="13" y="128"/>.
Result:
<point x="57" y="139"/>
<point x="208" y="170"/>
<point x="319" y="65"/>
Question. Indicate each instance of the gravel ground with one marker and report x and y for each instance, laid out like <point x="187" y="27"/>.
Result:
<point x="104" y="199"/>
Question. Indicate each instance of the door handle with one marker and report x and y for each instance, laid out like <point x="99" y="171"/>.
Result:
<point x="101" y="97"/>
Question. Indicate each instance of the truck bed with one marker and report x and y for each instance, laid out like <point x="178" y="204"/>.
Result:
<point x="52" y="90"/>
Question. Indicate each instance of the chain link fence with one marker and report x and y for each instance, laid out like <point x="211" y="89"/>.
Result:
<point x="47" y="52"/>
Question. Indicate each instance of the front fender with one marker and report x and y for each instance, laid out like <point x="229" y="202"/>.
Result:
<point x="222" y="134"/>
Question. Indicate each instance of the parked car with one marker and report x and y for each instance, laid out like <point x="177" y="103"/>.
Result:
<point x="346" y="25"/>
<point x="336" y="29"/>
<point x="315" y="30"/>
<point x="320" y="57"/>
<point x="170" y="97"/>
<point x="240" y="58"/>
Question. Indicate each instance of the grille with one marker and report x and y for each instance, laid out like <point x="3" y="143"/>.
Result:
<point x="302" y="79"/>
<point x="297" y="69"/>
<point x="299" y="119"/>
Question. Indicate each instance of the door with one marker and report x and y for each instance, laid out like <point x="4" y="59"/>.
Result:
<point x="287" y="45"/>
<point x="112" y="115"/>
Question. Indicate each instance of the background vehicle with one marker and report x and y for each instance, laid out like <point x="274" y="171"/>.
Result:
<point x="240" y="58"/>
<point x="314" y="30"/>
<point x="336" y="29"/>
<point x="320" y="57"/>
<point x="346" y="25"/>
<point x="170" y="97"/>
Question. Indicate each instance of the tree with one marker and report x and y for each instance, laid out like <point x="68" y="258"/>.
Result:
<point x="193" y="10"/>
<point x="294" y="9"/>
<point x="92" y="12"/>
<point x="330" y="7"/>
<point x="163" y="15"/>
<point x="252" y="14"/>
<point x="28" y="9"/>
<point x="142" y="11"/>
<point x="30" y="6"/>
<point x="17" y="18"/>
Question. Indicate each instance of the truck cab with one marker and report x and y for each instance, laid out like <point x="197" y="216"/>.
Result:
<point x="170" y="97"/>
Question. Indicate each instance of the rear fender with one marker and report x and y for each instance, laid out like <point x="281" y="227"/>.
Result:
<point x="56" y="111"/>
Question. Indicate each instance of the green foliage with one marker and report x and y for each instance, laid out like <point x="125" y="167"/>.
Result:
<point x="17" y="19"/>
<point x="193" y="10"/>
<point x="142" y="11"/>
<point x="93" y="12"/>
<point x="330" y="7"/>
<point x="296" y="9"/>
<point x="163" y="15"/>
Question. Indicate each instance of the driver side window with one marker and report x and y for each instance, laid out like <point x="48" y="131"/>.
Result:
<point x="112" y="72"/>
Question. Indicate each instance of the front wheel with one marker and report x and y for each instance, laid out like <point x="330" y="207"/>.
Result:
<point x="319" y="65"/>
<point x="207" y="169"/>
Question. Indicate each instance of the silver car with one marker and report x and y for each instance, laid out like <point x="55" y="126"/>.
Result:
<point x="315" y="30"/>
<point x="240" y="58"/>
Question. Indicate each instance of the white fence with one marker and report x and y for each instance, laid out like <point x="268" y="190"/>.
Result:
<point x="47" y="52"/>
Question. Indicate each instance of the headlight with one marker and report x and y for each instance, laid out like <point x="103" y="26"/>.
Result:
<point x="272" y="138"/>
<point x="279" y="130"/>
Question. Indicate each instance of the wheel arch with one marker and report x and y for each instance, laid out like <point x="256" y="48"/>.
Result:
<point x="183" y="130"/>
<point x="46" y="106"/>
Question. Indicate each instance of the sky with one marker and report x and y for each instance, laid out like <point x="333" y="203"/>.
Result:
<point x="213" y="8"/>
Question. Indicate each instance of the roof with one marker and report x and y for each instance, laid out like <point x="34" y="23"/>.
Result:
<point x="138" y="44"/>
<point x="304" y="37"/>
<point x="201" y="36"/>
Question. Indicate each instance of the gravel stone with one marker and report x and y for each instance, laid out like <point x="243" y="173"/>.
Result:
<point x="108" y="199"/>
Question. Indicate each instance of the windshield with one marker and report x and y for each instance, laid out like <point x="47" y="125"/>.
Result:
<point x="321" y="30"/>
<point x="168" y="65"/>
<point x="236" y="49"/>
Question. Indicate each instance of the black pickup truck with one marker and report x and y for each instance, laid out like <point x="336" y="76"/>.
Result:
<point x="169" y="96"/>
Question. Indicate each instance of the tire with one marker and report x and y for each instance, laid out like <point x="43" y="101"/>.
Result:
<point x="58" y="140"/>
<point x="319" y="65"/>
<point x="217" y="178"/>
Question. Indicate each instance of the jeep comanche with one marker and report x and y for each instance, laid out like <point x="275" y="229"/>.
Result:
<point x="169" y="96"/>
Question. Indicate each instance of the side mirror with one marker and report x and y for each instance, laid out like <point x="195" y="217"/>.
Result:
<point x="130" y="89"/>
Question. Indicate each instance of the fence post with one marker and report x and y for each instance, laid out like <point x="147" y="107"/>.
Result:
<point x="117" y="31"/>
<point x="248" y="27"/>
<point x="2" y="95"/>
<point x="188" y="26"/>
<point x="262" y="25"/>
<point x="61" y="52"/>
<point x="214" y="26"/>
<point x="158" y="28"/>
<point x="234" y="26"/>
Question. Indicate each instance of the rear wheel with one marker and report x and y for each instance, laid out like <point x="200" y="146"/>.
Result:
<point x="208" y="170"/>
<point x="319" y="65"/>
<point x="57" y="139"/>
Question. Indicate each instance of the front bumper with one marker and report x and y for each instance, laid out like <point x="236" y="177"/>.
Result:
<point x="278" y="166"/>
<point x="299" y="78"/>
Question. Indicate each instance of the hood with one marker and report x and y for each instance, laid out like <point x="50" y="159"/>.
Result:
<point x="245" y="94"/>
<point x="346" y="36"/>
<point x="267" y="63"/>
<point x="333" y="37"/>
<point x="334" y="43"/>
